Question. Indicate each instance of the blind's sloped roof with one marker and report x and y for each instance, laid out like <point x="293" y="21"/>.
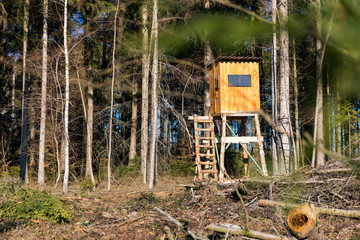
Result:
<point x="234" y="59"/>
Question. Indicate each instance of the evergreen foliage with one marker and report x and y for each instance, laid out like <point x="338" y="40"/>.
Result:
<point x="20" y="203"/>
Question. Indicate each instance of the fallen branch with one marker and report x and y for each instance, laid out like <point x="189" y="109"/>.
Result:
<point x="234" y="229"/>
<point x="327" y="211"/>
<point x="310" y="181"/>
<point x="333" y="170"/>
<point x="177" y="223"/>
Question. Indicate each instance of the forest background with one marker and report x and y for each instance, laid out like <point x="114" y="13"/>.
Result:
<point x="80" y="79"/>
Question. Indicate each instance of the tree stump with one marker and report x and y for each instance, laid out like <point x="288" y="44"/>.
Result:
<point x="302" y="220"/>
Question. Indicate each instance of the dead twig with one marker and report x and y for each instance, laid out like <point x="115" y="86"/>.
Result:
<point x="347" y="181"/>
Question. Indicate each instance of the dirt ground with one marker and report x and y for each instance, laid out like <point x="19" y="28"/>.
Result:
<point x="127" y="211"/>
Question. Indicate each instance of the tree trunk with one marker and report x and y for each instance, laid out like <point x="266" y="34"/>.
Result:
<point x="89" y="132"/>
<point x="350" y="140"/>
<point x="207" y="61"/>
<point x="13" y="93"/>
<point x="261" y="145"/>
<point x="284" y="84"/>
<point x="31" y="164"/>
<point x="134" y="109"/>
<point x="274" y="103"/>
<point x="41" y="170"/>
<point x="145" y="93"/>
<point x="25" y="83"/>
<point x="112" y="95"/>
<point x="66" y="108"/>
<point x="338" y="127"/>
<point x="318" y="153"/>
<point x="154" y="102"/>
<point x="296" y="105"/>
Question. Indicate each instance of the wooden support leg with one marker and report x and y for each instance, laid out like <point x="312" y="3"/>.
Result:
<point x="246" y="161"/>
<point x="222" y="148"/>
<point x="261" y="146"/>
<point x="197" y="150"/>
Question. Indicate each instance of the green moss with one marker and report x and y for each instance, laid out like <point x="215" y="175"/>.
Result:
<point x="19" y="203"/>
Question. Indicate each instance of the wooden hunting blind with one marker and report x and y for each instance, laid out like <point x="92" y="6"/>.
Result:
<point x="234" y="85"/>
<point x="234" y="95"/>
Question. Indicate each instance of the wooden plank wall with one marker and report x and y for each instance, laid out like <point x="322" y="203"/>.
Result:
<point x="215" y="100"/>
<point x="237" y="99"/>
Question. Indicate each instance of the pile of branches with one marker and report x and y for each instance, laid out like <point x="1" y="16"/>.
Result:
<point x="307" y="193"/>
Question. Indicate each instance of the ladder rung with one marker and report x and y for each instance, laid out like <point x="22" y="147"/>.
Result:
<point x="207" y="163"/>
<point x="206" y="155"/>
<point x="206" y="138"/>
<point x="204" y="129"/>
<point x="205" y="146"/>
<point x="204" y="121"/>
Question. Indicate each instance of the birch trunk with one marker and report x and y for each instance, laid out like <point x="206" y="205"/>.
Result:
<point x="25" y="83"/>
<point x="66" y="108"/>
<point x="145" y="93"/>
<point x="134" y="109"/>
<point x="112" y="95"/>
<point x="274" y="103"/>
<point x="154" y="102"/>
<point x="41" y="170"/>
<point x="284" y="84"/>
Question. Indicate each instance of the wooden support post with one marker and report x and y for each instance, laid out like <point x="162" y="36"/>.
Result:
<point x="261" y="146"/>
<point x="222" y="148"/>
<point x="246" y="161"/>
<point x="197" y="150"/>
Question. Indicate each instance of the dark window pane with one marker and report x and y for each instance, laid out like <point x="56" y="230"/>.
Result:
<point x="239" y="80"/>
<point x="216" y="83"/>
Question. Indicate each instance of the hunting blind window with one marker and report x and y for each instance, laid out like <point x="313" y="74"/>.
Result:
<point x="239" y="80"/>
<point x="216" y="82"/>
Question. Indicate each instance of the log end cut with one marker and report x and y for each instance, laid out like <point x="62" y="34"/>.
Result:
<point x="302" y="220"/>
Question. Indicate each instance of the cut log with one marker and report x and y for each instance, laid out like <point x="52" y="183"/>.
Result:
<point x="328" y="211"/>
<point x="302" y="220"/>
<point x="234" y="229"/>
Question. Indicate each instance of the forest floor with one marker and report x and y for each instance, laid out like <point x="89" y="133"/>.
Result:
<point x="127" y="211"/>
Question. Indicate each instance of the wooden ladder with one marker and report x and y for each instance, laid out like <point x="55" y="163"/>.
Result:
<point x="205" y="148"/>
